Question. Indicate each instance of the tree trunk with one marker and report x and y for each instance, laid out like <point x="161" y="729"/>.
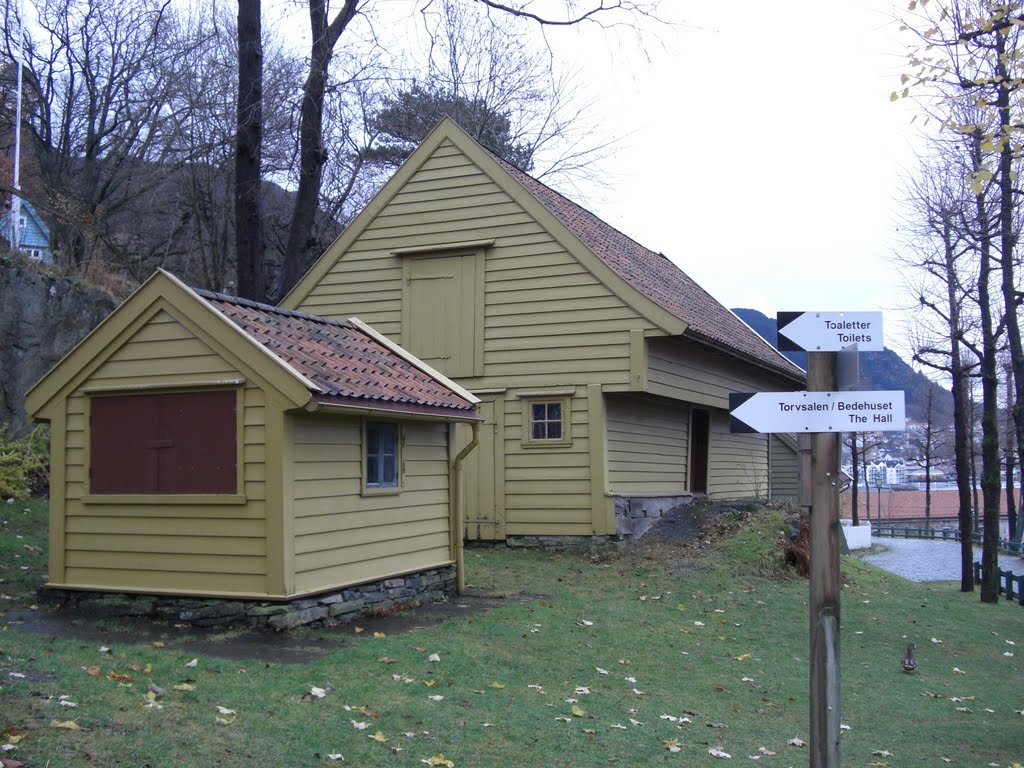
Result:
<point x="248" y="153"/>
<point x="854" y="500"/>
<point x="312" y="154"/>
<point x="1008" y="244"/>
<point x="989" y="407"/>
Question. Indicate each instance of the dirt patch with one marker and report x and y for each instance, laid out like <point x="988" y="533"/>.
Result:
<point x="294" y="647"/>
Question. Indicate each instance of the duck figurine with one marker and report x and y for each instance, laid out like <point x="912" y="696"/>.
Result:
<point x="908" y="661"/>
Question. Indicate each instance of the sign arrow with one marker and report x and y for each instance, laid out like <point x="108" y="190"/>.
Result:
<point x="883" y="411"/>
<point x="829" y="331"/>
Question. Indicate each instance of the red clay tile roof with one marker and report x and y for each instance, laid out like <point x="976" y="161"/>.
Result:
<point x="350" y="367"/>
<point x="655" y="276"/>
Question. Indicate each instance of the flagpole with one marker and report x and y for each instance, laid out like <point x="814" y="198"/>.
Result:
<point x="16" y="175"/>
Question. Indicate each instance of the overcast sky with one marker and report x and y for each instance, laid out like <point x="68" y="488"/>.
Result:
<point x="763" y="154"/>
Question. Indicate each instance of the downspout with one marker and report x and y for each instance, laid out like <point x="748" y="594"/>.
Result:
<point x="457" y="532"/>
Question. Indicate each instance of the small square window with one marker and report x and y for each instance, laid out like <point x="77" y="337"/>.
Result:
<point x="381" y="454"/>
<point x="546" y="422"/>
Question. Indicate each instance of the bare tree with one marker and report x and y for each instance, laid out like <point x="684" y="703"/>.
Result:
<point x="939" y="256"/>
<point x="105" y="80"/>
<point x="326" y="30"/>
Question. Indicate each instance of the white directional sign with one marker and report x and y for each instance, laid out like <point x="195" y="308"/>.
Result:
<point x="818" y="412"/>
<point x="829" y="331"/>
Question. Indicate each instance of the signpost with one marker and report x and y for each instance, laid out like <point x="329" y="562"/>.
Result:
<point x="796" y="412"/>
<point x="821" y="413"/>
<point x="829" y="331"/>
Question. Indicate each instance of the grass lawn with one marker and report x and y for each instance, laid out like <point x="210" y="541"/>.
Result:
<point x="653" y="655"/>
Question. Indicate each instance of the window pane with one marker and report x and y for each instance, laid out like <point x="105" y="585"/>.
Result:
<point x="537" y="412"/>
<point x="554" y="411"/>
<point x="390" y="474"/>
<point x="381" y="454"/>
<point x="554" y="430"/>
<point x="538" y="430"/>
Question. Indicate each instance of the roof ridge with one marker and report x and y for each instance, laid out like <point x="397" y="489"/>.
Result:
<point x="227" y="298"/>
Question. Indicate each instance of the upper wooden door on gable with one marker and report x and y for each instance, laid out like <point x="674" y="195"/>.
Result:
<point x="442" y="311"/>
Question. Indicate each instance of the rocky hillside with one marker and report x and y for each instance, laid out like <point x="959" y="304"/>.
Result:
<point x="41" y="319"/>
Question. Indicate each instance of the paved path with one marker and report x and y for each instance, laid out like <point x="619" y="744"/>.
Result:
<point x="924" y="560"/>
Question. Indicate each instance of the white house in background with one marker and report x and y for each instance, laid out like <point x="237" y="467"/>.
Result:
<point x="889" y="472"/>
<point x="33" y="234"/>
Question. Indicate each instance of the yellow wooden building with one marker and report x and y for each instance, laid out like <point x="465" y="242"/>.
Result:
<point x="210" y="446"/>
<point x="603" y="370"/>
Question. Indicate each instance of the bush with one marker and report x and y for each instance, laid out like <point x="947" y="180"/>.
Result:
<point x="24" y="463"/>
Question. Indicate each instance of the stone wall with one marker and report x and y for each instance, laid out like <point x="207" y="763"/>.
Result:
<point x="635" y="515"/>
<point x="346" y="605"/>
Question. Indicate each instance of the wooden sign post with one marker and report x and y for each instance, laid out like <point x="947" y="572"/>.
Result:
<point x="818" y="416"/>
<point x="824" y="599"/>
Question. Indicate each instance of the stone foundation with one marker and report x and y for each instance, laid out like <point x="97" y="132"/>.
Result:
<point x="346" y="605"/>
<point x="634" y="515"/>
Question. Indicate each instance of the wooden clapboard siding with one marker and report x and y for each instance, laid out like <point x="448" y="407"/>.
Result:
<point x="647" y="446"/>
<point x="685" y="370"/>
<point x="344" y="537"/>
<point x="153" y="544"/>
<point x="166" y="352"/>
<point x="544" y="312"/>
<point x="737" y="463"/>
<point x="547" y="489"/>
<point x="784" y="467"/>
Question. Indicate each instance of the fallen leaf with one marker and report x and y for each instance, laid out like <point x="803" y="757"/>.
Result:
<point x="936" y="641"/>
<point x="359" y="726"/>
<point x="119" y="678"/>
<point x="436" y="697"/>
<point x="359" y="630"/>
<point x="672" y="745"/>
<point x="796" y="742"/>
<point x="497" y="685"/>
<point x="336" y="756"/>
<point x="225" y="711"/>
<point x="719" y="752"/>
<point x="577" y="712"/>
<point x="601" y="671"/>
<point x="68" y="725"/>
<point x="317" y="692"/>
<point x="716" y="725"/>
<point x="744" y="657"/>
<point x="564" y="719"/>
<point x="103" y="649"/>
<point x="93" y="671"/>
<point x="184" y="687"/>
<point x="430" y="683"/>
<point x="379" y="634"/>
<point x="958" y="671"/>
<point x="635" y="722"/>
<point x="585" y="623"/>
<point x="582" y="690"/>
<point x="765" y="751"/>
<point x="881" y="753"/>
<point x="387" y="660"/>
<point x="620" y="727"/>
<point x="638" y="692"/>
<point x="488" y="725"/>
<point x="379" y="737"/>
<point x="434" y="657"/>
<point x="439" y="759"/>
<point x="157" y="644"/>
<point x="193" y="663"/>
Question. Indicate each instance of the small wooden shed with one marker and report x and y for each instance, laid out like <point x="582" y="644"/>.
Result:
<point x="211" y="446"/>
